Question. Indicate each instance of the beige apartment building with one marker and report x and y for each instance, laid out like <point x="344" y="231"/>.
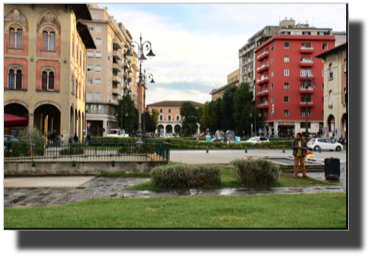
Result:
<point x="232" y="79"/>
<point x="247" y="56"/>
<point x="107" y="70"/>
<point x="45" y="66"/>
<point x="335" y="95"/>
<point x="170" y="120"/>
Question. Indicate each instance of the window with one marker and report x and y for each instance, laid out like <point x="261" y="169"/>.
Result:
<point x="98" y="81"/>
<point x="266" y="113"/>
<point x="323" y="113"/>
<point x="169" y="117"/>
<point x="89" y="96"/>
<point x="169" y="110"/>
<point x="286" y="99"/>
<point x="305" y="72"/>
<point x="94" y="16"/>
<point x="89" y="81"/>
<point x="331" y="71"/>
<point x="286" y="59"/>
<point x="91" y="28"/>
<point x="330" y="99"/>
<point x="161" y="117"/>
<point x="303" y="113"/>
<point x="89" y="68"/>
<point x="324" y="46"/>
<point x="76" y="88"/>
<point x="72" y="84"/>
<point x="345" y="96"/>
<point x="306" y="33"/>
<point x="303" y="124"/>
<point x="286" y="72"/>
<point x="306" y="45"/>
<point x="177" y="110"/>
<point x="98" y="68"/>
<point x="323" y="73"/>
<point x="286" y="86"/>
<point x="345" y="65"/>
<point x="90" y="54"/>
<point x="11" y="79"/>
<point x="152" y="111"/>
<point x="98" y="28"/>
<point x="97" y="97"/>
<point x="272" y="86"/>
<point x="303" y="99"/>
<point x="98" y="41"/>
<point x="286" y="45"/>
<point x="47" y="80"/>
<point x="160" y="110"/>
<point x="323" y="99"/>
<point x="271" y="100"/>
<point x="98" y="54"/>
<point x="272" y="73"/>
<point x="48" y="40"/>
<point x="177" y="118"/>
<point x="15" y="38"/>
<point x="286" y="113"/>
<point x="323" y="86"/>
<point x="320" y="33"/>
<point x="272" y="46"/>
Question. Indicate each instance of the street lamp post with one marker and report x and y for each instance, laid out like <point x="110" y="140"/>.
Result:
<point x="145" y="76"/>
<point x="305" y="85"/>
<point x="258" y="115"/>
<point x="141" y="58"/>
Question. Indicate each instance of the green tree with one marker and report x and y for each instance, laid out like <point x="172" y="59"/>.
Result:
<point x="155" y="116"/>
<point x="125" y="113"/>
<point x="242" y="106"/>
<point x="189" y="113"/>
<point x="205" y="118"/>
<point x="150" y="125"/>
<point x="228" y="108"/>
<point x="217" y="119"/>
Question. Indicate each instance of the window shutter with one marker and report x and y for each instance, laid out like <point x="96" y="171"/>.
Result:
<point x="51" y="81"/>
<point x="19" y="38"/>
<point x="45" y="41"/>
<point x="18" y="80"/>
<point x="44" y="81"/>
<point x="12" y="34"/>
<point x="11" y="79"/>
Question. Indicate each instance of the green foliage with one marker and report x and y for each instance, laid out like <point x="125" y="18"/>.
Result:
<point x="38" y="149"/>
<point x="150" y="125"/>
<point x="183" y="176"/>
<point x="155" y="116"/>
<point x="125" y="113"/>
<point x="256" y="173"/>
<point x="33" y="134"/>
<point x="228" y="108"/>
<point x="17" y="149"/>
<point x="72" y="151"/>
<point x="189" y="113"/>
<point x="132" y="149"/>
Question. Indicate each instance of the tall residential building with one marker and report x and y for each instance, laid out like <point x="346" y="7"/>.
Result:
<point x="232" y="79"/>
<point x="45" y="51"/>
<point x="335" y="94"/>
<point x="247" y="57"/>
<point x="107" y="70"/>
<point x="282" y="63"/>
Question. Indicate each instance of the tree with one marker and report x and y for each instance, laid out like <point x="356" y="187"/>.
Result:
<point x="125" y="113"/>
<point x="155" y="116"/>
<point x="217" y="121"/>
<point x="189" y="113"/>
<point x="150" y="125"/>
<point x="228" y="108"/>
<point x="205" y="119"/>
<point x="242" y="106"/>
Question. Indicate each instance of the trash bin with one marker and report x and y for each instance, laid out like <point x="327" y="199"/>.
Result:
<point x="237" y="140"/>
<point x="332" y="168"/>
<point x="208" y="138"/>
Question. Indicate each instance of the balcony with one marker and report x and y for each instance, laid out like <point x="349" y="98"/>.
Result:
<point x="303" y="104"/>
<point x="116" y="91"/>
<point x="306" y="49"/>
<point x="117" y="43"/>
<point x="116" y="55"/>
<point x="116" y="67"/>
<point x="263" y="55"/>
<point x="262" y="93"/>
<point x="303" y="91"/>
<point x="262" y="80"/>
<point x="263" y="106"/>
<point x="116" y="79"/>
<point x="304" y="76"/>
<point x="262" y="68"/>
<point x="127" y="87"/>
<point x="306" y="63"/>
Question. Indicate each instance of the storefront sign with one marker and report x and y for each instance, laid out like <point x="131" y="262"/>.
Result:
<point x="286" y="123"/>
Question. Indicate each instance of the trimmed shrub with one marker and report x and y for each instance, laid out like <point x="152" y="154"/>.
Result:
<point x="72" y="151"/>
<point x="144" y="149"/>
<point x="185" y="176"/>
<point x="256" y="173"/>
<point x="17" y="149"/>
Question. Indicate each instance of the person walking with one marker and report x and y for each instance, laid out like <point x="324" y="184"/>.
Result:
<point x="88" y="138"/>
<point x="70" y="140"/>
<point x="299" y="147"/>
<point x="57" y="139"/>
<point x="62" y="138"/>
<point x="75" y="138"/>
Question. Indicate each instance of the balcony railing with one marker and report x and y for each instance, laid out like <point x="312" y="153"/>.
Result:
<point x="263" y="80"/>
<point x="116" y="67"/>
<point x="306" y="49"/>
<point x="304" y="76"/>
<point x="116" y="55"/>
<point x="263" y="93"/>
<point x="117" y="43"/>
<point x="303" y="90"/>
<point x="117" y="91"/>
<point x="306" y="63"/>
<point x="263" y="67"/>
<point x="263" y="105"/>
<point x="263" y="55"/>
<point x="116" y="79"/>
<point x="303" y="104"/>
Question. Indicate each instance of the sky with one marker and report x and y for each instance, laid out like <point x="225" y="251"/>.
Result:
<point x="196" y="45"/>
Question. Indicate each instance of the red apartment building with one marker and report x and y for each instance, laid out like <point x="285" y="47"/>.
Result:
<point x="281" y="63"/>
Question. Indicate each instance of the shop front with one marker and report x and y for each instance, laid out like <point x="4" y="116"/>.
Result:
<point x="286" y="129"/>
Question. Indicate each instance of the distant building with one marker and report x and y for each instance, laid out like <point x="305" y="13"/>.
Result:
<point x="170" y="120"/>
<point x="232" y="79"/>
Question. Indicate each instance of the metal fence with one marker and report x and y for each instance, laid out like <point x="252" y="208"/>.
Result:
<point x="99" y="151"/>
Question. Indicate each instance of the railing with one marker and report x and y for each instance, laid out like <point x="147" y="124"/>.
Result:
<point x="122" y="150"/>
<point x="117" y="54"/>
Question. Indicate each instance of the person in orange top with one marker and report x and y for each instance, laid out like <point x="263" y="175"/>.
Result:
<point x="299" y="147"/>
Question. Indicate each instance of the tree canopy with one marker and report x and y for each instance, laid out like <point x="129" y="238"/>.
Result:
<point x="125" y="113"/>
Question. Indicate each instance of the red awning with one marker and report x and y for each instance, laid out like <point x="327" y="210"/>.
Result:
<point x="12" y="120"/>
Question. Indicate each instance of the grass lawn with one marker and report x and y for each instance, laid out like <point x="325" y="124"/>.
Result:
<point x="228" y="181"/>
<point x="322" y="210"/>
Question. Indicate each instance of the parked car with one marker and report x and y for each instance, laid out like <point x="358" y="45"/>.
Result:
<point x="323" y="144"/>
<point x="116" y="132"/>
<point x="257" y="139"/>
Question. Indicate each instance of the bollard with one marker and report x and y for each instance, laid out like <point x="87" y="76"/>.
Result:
<point x="207" y="150"/>
<point x="245" y="148"/>
<point x="283" y="150"/>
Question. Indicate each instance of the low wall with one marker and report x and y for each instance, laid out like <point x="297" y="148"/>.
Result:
<point x="42" y="168"/>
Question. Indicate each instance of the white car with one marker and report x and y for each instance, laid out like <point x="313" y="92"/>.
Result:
<point x="257" y="139"/>
<point x="323" y="144"/>
<point x="116" y="132"/>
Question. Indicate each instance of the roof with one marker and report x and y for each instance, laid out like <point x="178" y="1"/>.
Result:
<point x="336" y="48"/>
<point x="173" y="103"/>
<point x="85" y="35"/>
<point x="224" y="87"/>
<point x="82" y="12"/>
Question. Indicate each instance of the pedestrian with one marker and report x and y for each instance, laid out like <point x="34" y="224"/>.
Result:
<point x="62" y="138"/>
<point x="75" y="138"/>
<point x="70" y="140"/>
<point x="299" y="147"/>
<point x="88" y="138"/>
<point x="57" y="140"/>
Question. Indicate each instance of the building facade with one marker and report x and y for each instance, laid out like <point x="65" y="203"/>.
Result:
<point x="107" y="70"/>
<point x="170" y="120"/>
<point x="335" y="93"/>
<point x="282" y="63"/>
<point x="45" y="66"/>
<point x="232" y="79"/>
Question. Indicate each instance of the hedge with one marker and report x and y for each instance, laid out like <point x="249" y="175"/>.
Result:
<point x="185" y="176"/>
<point x="21" y="149"/>
<point x="72" y="151"/>
<point x="256" y="173"/>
